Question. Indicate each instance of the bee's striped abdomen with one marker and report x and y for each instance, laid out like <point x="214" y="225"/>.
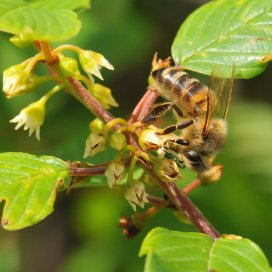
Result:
<point x="174" y="84"/>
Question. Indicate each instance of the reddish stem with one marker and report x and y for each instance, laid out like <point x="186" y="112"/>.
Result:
<point x="85" y="97"/>
<point x="186" y="206"/>
<point x="46" y="49"/>
<point x="86" y="171"/>
<point x="192" y="185"/>
<point x="144" y="105"/>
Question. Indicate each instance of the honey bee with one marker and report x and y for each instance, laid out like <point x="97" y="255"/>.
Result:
<point x="201" y="109"/>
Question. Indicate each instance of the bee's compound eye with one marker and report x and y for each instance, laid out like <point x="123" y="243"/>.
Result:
<point x="192" y="156"/>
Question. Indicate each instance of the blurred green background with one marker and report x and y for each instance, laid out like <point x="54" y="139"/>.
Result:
<point x="81" y="235"/>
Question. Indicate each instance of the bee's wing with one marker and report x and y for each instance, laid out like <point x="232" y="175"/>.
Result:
<point x="218" y="97"/>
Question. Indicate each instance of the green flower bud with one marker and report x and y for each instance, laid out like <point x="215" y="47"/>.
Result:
<point x="115" y="173"/>
<point x="118" y="141"/>
<point x="31" y="117"/>
<point x="103" y="95"/>
<point x="96" y="142"/>
<point x="17" y="81"/>
<point x="69" y="66"/>
<point x="136" y="195"/>
<point x="96" y="125"/>
<point x="92" y="62"/>
<point x="167" y="170"/>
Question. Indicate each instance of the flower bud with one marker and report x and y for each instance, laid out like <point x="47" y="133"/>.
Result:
<point x="103" y="95"/>
<point x="96" y="142"/>
<point x="92" y="62"/>
<point x="96" y="125"/>
<point x="115" y="173"/>
<point x="31" y="117"/>
<point x="69" y="66"/>
<point x="167" y="170"/>
<point x="136" y="195"/>
<point x="118" y="141"/>
<point x="17" y="81"/>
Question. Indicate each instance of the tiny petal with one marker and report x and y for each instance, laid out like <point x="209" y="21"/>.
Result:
<point x="92" y="62"/>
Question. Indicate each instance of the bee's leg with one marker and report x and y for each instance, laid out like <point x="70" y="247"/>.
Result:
<point x="173" y="146"/>
<point x="157" y="112"/>
<point x="173" y="128"/>
<point x="177" y="110"/>
<point x="171" y="156"/>
<point x="195" y="161"/>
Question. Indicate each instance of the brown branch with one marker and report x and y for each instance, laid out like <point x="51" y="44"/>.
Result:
<point x="187" y="207"/>
<point x="87" y="171"/>
<point x="85" y="97"/>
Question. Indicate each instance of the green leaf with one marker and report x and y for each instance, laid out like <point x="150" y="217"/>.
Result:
<point x="226" y="33"/>
<point x="29" y="185"/>
<point x="170" y="251"/>
<point x="63" y="4"/>
<point x="40" y="20"/>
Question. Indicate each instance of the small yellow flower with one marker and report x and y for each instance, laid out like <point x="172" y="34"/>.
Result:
<point x="31" y="117"/>
<point x="92" y="62"/>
